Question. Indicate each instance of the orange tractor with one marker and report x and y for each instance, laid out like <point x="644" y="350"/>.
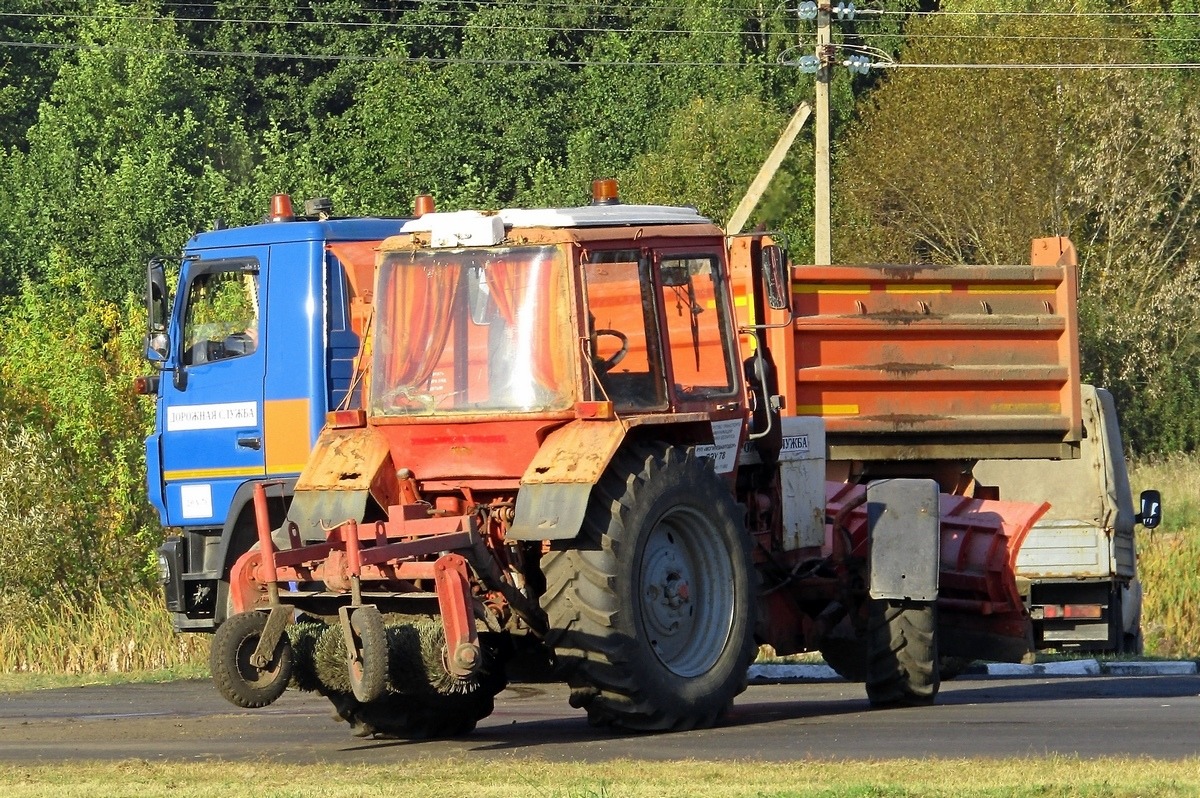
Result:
<point x="573" y="447"/>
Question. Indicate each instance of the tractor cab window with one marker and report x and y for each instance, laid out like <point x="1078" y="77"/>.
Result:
<point x="697" y="328"/>
<point x="625" y="361"/>
<point x="472" y="330"/>
<point x="221" y="319"/>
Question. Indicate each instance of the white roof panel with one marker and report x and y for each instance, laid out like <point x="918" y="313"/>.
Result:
<point x="585" y="216"/>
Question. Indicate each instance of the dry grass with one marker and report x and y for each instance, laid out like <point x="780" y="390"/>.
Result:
<point x="134" y="635"/>
<point x="1169" y="558"/>
<point x="123" y="636"/>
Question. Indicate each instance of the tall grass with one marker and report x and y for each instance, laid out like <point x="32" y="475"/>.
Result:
<point x="1169" y="566"/>
<point x="123" y="635"/>
<point x="1169" y="558"/>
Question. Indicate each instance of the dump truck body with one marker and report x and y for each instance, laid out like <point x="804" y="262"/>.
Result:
<point x="969" y="375"/>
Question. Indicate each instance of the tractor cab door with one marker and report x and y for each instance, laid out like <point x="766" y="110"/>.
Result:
<point x="661" y="335"/>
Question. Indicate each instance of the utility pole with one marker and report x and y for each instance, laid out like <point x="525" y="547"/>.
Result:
<point x="821" y="223"/>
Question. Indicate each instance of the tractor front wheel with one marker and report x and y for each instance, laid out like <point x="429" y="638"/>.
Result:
<point x="237" y="679"/>
<point x="368" y="665"/>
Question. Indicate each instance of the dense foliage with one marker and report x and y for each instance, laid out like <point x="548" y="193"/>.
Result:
<point x="125" y="125"/>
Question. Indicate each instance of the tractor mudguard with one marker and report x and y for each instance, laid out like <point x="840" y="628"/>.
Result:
<point x="904" y="528"/>
<point x="347" y="467"/>
<point x="555" y="487"/>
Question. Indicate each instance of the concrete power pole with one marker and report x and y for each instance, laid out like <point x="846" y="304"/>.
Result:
<point x="821" y="236"/>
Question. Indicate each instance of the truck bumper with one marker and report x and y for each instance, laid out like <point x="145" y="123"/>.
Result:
<point x="191" y="598"/>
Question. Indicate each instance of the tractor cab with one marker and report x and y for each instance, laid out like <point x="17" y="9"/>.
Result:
<point x="521" y="317"/>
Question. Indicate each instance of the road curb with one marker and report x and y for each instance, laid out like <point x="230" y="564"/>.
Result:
<point x="765" y="674"/>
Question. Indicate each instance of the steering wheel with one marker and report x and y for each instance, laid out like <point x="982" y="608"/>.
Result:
<point x="603" y="365"/>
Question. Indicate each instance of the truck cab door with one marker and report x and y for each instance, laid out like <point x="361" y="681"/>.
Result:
<point x="211" y="403"/>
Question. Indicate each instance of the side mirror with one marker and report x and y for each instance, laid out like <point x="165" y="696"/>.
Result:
<point x="776" y="276"/>
<point x="157" y="310"/>
<point x="1150" y="515"/>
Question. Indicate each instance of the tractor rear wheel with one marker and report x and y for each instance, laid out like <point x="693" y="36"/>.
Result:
<point x="902" y="655"/>
<point x="652" y="608"/>
<point x="236" y="678"/>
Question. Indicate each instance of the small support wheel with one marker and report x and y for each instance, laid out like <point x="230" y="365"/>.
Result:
<point x="368" y="659"/>
<point x="237" y="680"/>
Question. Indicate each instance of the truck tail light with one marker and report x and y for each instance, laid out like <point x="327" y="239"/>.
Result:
<point x="1070" y="611"/>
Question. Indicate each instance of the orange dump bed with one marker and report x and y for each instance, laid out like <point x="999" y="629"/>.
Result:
<point x="934" y="362"/>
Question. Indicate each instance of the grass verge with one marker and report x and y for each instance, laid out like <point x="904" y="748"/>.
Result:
<point x="503" y="778"/>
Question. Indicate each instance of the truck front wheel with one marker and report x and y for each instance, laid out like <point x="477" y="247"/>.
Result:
<point x="651" y="609"/>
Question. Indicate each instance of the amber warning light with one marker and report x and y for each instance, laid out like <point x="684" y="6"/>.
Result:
<point x="423" y="205"/>
<point x="281" y="208"/>
<point x="604" y="192"/>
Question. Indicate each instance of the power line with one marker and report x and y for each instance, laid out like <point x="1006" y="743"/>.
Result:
<point x="1082" y="14"/>
<point x="1035" y="66"/>
<point x="394" y="25"/>
<point x="574" y="5"/>
<point x="1024" y="38"/>
<point x="564" y="29"/>
<point x="567" y="62"/>
<point x="385" y="58"/>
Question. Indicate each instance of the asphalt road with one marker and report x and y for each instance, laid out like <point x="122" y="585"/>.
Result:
<point x="1157" y="716"/>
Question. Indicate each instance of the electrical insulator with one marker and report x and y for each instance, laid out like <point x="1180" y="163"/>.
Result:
<point x="844" y="11"/>
<point x="858" y="64"/>
<point x="810" y="64"/>
<point x="807" y="10"/>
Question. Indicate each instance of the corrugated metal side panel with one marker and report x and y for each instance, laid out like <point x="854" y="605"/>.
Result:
<point x="1063" y="549"/>
<point x="926" y="353"/>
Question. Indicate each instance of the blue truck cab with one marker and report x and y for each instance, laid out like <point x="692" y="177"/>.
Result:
<point x="258" y="343"/>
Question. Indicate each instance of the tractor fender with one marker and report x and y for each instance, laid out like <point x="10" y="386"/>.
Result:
<point x="347" y="467"/>
<point x="554" y="490"/>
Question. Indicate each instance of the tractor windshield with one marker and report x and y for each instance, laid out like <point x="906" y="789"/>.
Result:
<point x="471" y="331"/>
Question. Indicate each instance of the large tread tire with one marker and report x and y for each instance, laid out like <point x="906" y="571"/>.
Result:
<point x="237" y="680"/>
<point x="652" y="608"/>
<point x="369" y="670"/>
<point x="902" y="655"/>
